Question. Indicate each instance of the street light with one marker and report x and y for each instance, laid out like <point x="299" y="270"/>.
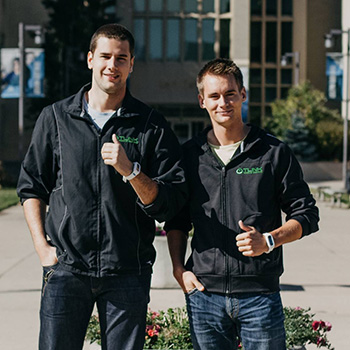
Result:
<point x="296" y="56"/>
<point x="38" y="39"/>
<point x="329" y="42"/>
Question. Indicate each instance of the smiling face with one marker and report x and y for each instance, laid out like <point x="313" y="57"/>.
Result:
<point x="111" y="63"/>
<point x="223" y="99"/>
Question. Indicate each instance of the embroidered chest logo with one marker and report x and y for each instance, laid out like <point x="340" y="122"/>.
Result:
<point x="128" y="139"/>
<point x="249" y="171"/>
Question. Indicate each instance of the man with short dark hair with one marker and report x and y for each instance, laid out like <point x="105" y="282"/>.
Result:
<point x="107" y="166"/>
<point x="240" y="178"/>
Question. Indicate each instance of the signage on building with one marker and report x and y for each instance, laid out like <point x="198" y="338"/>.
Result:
<point x="334" y="73"/>
<point x="34" y="73"/>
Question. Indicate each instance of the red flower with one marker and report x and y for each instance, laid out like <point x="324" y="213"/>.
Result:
<point x="315" y="325"/>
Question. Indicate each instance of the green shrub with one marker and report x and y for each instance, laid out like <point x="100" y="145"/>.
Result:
<point x="322" y="126"/>
<point x="171" y="330"/>
<point x="8" y="197"/>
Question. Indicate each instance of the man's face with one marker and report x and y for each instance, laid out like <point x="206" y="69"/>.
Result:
<point x="111" y="64"/>
<point x="222" y="99"/>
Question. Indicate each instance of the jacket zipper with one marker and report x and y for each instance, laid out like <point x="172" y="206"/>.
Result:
<point x="99" y="195"/>
<point x="224" y="221"/>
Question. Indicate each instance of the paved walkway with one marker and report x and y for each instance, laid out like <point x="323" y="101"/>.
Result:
<point x="316" y="275"/>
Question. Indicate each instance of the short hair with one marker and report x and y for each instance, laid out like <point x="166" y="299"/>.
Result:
<point x="113" y="31"/>
<point x="221" y="67"/>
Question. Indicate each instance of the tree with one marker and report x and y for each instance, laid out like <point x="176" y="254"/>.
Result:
<point x="71" y="24"/>
<point x="304" y="115"/>
<point x="298" y="139"/>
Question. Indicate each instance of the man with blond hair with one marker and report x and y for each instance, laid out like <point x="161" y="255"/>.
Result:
<point x="240" y="178"/>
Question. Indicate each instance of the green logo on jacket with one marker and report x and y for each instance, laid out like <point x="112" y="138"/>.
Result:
<point x="249" y="171"/>
<point x="128" y="139"/>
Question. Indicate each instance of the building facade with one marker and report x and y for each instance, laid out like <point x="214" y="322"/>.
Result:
<point x="175" y="38"/>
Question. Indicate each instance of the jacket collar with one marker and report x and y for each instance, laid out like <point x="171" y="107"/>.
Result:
<point x="76" y="108"/>
<point x="254" y="137"/>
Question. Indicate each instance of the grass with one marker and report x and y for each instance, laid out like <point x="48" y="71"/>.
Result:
<point x="8" y="197"/>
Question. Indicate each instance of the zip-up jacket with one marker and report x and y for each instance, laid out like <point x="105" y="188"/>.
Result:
<point x="95" y="219"/>
<point x="262" y="178"/>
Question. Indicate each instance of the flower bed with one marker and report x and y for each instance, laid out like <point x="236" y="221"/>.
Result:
<point x="170" y="329"/>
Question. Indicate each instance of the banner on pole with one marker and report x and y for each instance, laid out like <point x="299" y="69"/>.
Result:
<point x="34" y="73"/>
<point x="334" y="73"/>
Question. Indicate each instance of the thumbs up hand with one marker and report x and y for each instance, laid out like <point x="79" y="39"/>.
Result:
<point x="113" y="154"/>
<point x="251" y="242"/>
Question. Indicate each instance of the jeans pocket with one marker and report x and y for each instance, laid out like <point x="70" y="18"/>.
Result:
<point x="48" y="272"/>
<point x="191" y="292"/>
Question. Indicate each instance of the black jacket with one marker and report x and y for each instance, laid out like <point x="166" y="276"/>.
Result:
<point x="95" y="220"/>
<point x="254" y="186"/>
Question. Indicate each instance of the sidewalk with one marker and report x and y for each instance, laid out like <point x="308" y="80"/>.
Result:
<point x="316" y="275"/>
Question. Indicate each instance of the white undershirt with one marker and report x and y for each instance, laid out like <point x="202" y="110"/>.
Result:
<point x="225" y="153"/>
<point x="98" y="118"/>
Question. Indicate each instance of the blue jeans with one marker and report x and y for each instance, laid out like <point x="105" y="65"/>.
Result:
<point x="68" y="300"/>
<point x="217" y="320"/>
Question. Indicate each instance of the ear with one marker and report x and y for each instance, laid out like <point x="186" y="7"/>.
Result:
<point x="201" y="101"/>
<point x="90" y="57"/>
<point x="132" y="64"/>
<point x="243" y="94"/>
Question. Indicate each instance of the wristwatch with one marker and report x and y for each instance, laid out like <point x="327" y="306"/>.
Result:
<point x="269" y="241"/>
<point x="135" y="171"/>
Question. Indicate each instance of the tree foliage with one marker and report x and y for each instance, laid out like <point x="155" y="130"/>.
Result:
<point x="304" y="114"/>
<point x="71" y="25"/>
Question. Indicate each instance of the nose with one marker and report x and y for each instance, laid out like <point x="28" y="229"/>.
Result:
<point x="223" y="101"/>
<point x="112" y="63"/>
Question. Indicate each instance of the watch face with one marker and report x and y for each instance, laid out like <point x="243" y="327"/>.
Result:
<point x="271" y="242"/>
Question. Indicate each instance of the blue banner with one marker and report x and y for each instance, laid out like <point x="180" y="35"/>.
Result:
<point x="34" y="73"/>
<point x="334" y="73"/>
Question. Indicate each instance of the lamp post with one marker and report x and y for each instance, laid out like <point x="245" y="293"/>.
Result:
<point x="329" y="42"/>
<point x="296" y="56"/>
<point x="22" y="28"/>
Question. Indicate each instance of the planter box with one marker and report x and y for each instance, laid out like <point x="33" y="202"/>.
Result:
<point x="162" y="269"/>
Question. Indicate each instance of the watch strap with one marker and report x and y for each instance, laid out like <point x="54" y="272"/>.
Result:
<point x="269" y="241"/>
<point x="136" y="169"/>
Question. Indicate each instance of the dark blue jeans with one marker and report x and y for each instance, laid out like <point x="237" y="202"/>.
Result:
<point x="217" y="320"/>
<point x="68" y="300"/>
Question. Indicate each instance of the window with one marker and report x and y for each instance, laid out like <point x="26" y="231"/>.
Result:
<point x="208" y="37"/>
<point x="190" y="6"/>
<point x="191" y="42"/>
<point x="208" y="6"/>
<point x="225" y="38"/>
<point x="224" y="6"/>
<point x="255" y="42"/>
<point x="271" y="76"/>
<point x="287" y="7"/>
<point x="155" y="39"/>
<point x="139" y="5"/>
<point x="139" y="34"/>
<point x="271" y="42"/>
<point x="255" y="7"/>
<point x="271" y="36"/>
<point x="173" y="40"/>
<point x="181" y="30"/>
<point x="173" y="5"/>
<point x="156" y="6"/>
<point x="271" y="7"/>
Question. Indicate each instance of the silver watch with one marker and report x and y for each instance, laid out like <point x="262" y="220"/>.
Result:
<point x="269" y="241"/>
<point x="135" y="171"/>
